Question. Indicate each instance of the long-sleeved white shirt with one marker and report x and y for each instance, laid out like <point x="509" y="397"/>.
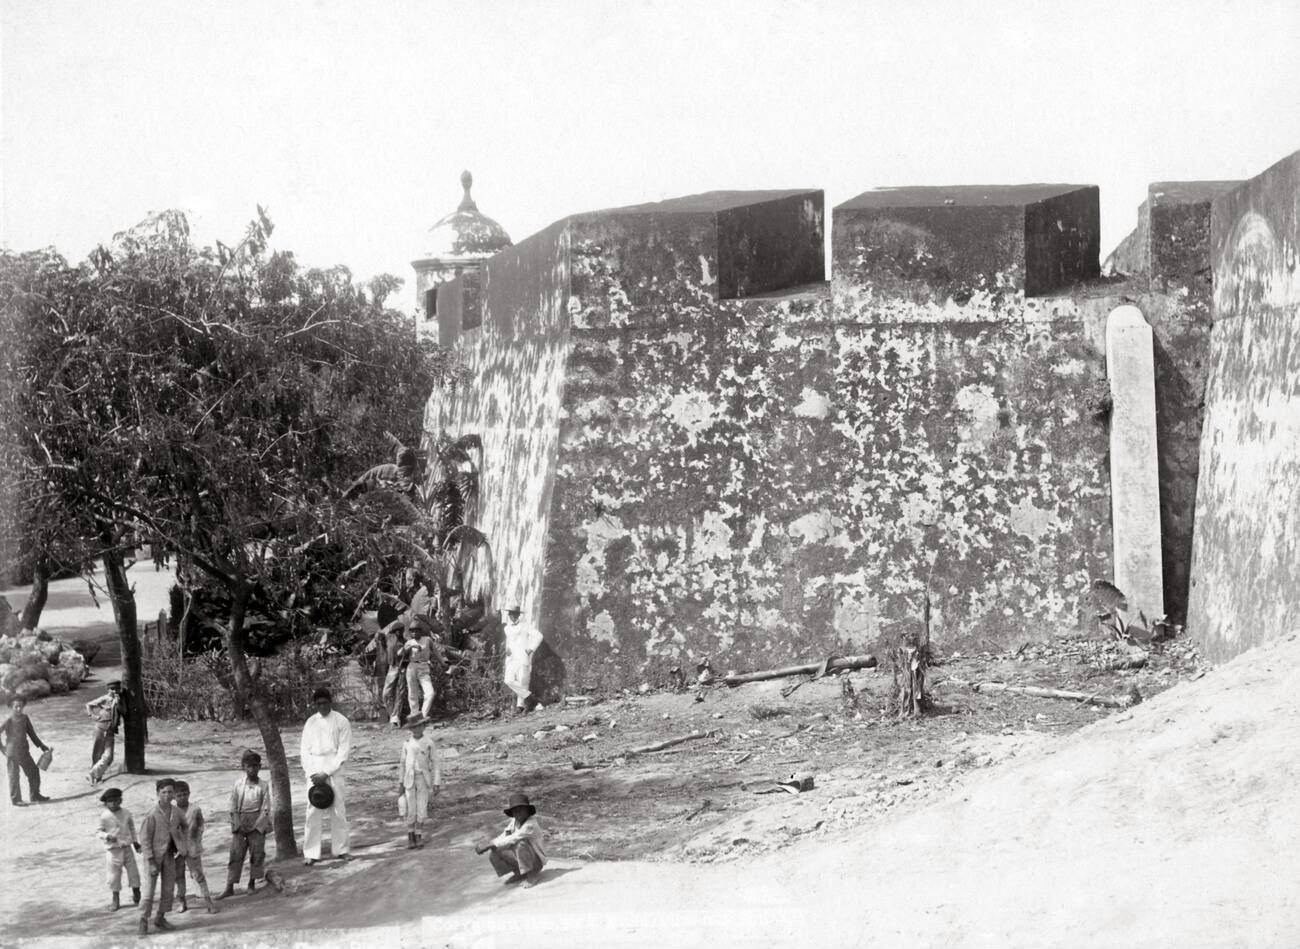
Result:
<point x="116" y="828"/>
<point x="530" y="830"/>
<point x="326" y="744"/>
<point x="420" y="756"/>
<point x="522" y="640"/>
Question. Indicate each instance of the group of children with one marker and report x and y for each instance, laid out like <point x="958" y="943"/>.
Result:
<point x="171" y="842"/>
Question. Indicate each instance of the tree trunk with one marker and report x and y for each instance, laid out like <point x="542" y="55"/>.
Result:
<point x="248" y="691"/>
<point x="135" y="727"/>
<point x="40" y="593"/>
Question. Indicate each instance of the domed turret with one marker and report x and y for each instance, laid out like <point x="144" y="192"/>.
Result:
<point x="458" y="243"/>
<point x="466" y="233"/>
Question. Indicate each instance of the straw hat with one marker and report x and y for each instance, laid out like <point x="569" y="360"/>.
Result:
<point x="519" y="800"/>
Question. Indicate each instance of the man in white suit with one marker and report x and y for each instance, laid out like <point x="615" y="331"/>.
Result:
<point x="326" y="743"/>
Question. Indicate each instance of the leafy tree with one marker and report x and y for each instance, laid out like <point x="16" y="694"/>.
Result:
<point x="222" y="398"/>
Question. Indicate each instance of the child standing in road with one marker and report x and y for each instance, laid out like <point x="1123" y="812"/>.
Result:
<point x="192" y="818"/>
<point x="117" y="831"/>
<point x="250" y="819"/>
<point x="419" y="775"/>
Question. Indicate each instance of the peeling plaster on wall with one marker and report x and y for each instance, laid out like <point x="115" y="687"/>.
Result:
<point x="743" y="526"/>
<point x="601" y="628"/>
<point x="982" y="411"/>
<point x="814" y="404"/>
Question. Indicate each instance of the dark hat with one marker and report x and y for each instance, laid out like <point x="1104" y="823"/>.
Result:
<point x="321" y="796"/>
<point x="112" y="794"/>
<point x="418" y="720"/>
<point x="116" y="684"/>
<point x="519" y="800"/>
<point x="250" y="757"/>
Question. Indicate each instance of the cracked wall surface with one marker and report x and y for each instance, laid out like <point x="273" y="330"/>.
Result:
<point x="684" y="459"/>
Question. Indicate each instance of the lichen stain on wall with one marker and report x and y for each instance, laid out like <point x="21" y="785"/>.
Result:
<point x="779" y="474"/>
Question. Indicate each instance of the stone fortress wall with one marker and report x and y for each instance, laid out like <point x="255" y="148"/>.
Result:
<point x="698" y="446"/>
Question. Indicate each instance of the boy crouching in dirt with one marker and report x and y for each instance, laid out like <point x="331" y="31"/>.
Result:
<point x="519" y="849"/>
<point x="250" y="819"/>
<point x="192" y="818"/>
<point x="117" y="831"/>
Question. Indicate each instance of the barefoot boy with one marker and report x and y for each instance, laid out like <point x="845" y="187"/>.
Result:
<point x="419" y="774"/>
<point x="518" y="850"/>
<point x="194" y="821"/>
<point x="117" y="831"/>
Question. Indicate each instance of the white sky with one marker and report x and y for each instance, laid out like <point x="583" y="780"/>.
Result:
<point x="351" y="121"/>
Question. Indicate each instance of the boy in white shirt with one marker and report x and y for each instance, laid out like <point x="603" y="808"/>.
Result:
<point x="117" y="831"/>
<point x="419" y="775"/>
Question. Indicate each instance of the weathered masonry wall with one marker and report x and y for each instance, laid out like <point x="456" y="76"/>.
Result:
<point x="695" y="447"/>
<point x="514" y="355"/>
<point x="1167" y="264"/>
<point x="1246" y="551"/>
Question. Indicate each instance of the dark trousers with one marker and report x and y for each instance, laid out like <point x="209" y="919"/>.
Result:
<point x="21" y="759"/>
<point x="518" y="858"/>
<point x="252" y="843"/>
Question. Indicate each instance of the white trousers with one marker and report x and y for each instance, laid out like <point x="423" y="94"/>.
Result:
<point x="338" y="815"/>
<point x="116" y="859"/>
<point x="417" y="803"/>
<point x="417" y="680"/>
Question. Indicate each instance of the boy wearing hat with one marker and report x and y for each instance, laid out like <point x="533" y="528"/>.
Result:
<point x="117" y="831"/>
<point x="326" y="744"/>
<point x="106" y="711"/>
<point x="250" y="819"/>
<point x="419" y="776"/>
<point x="519" y="849"/>
<point x="162" y="839"/>
<point x="18" y="754"/>
<point x="522" y="640"/>
<point x="194" y="823"/>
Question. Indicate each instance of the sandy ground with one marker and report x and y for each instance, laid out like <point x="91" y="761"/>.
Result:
<point x="1000" y="823"/>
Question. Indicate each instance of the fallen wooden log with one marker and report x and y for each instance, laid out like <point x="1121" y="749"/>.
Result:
<point x="1109" y="701"/>
<point x="648" y="749"/>
<point x="825" y="667"/>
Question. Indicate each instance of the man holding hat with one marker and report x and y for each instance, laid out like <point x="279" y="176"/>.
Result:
<point x="326" y="743"/>
<point x="522" y="640"/>
<point x="117" y="831"/>
<point x="107" y="714"/>
<point x="519" y="849"/>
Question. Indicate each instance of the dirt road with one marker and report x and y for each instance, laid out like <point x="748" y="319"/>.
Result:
<point x="1170" y="824"/>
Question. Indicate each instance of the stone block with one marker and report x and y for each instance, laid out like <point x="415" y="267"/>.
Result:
<point x="1134" y="478"/>
<point x="1179" y="232"/>
<point x="953" y="242"/>
<point x="685" y="252"/>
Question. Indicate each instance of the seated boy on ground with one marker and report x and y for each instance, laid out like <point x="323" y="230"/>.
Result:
<point x="519" y="850"/>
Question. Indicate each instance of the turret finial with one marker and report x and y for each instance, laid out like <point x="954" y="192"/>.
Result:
<point x="467" y="182"/>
